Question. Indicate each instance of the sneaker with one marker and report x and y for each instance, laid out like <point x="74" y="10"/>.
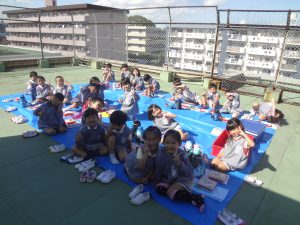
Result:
<point x="102" y="175"/>
<point x="83" y="176"/>
<point x="140" y="198"/>
<point x="77" y="166"/>
<point x="135" y="191"/>
<point x="87" y="166"/>
<point x="11" y="109"/>
<point x="66" y="157"/>
<point x="113" y="159"/>
<point x="91" y="175"/>
<point x="57" y="148"/>
<point x="74" y="159"/>
<point x="109" y="176"/>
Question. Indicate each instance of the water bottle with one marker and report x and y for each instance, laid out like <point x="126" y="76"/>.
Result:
<point x="135" y="126"/>
<point x="188" y="146"/>
<point x="23" y="101"/>
<point x="139" y="135"/>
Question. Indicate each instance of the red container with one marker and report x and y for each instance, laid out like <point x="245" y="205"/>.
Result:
<point x="220" y="142"/>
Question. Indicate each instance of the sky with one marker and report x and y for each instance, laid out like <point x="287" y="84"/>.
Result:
<point x="222" y="4"/>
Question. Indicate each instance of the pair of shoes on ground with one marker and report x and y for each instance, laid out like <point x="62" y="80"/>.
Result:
<point x="253" y="181"/>
<point x="137" y="197"/>
<point x="106" y="176"/>
<point x="113" y="158"/>
<point x="57" y="148"/>
<point x="19" y="119"/>
<point x="88" y="176"/>
<point x="30" y="133"/>
<point x="229" y="218"/>
<point x="85" y="165"/>
<point x="71" y="158"/>
<point x="7" y="100"/>
<point x="11" y="109"/>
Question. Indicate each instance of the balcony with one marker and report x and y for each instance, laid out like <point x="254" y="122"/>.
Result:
<point x="211" y="36"/>
<point x="23" y="29"/>
<point x="176" y="34"/>
<point x="137" y="48"/>
<point x="260" y="64"/>
<point x="136" y="41"/>
<point x="195" y="35"/>
<point x="237" y="37"/>
<point x="260" y="51"/>
<point x="234" y="62"/>
<point x="23" y="39"/>
<point x="176" y="45"/>
<point x="289" y="67"/>
<point x="136" y="34"/>
<point x="263" y="39"/>
<point x="293" y="41"/>
<point x="190" y="66"/>
<point x="175" y="55"/>
<point x="292" y="54"/>
<point x="236" y="49"/>
<point x="193" y="57"/>
<point x="194" y="46"/>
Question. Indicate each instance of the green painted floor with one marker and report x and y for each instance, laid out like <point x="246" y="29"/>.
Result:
<point x="37" y="189"/>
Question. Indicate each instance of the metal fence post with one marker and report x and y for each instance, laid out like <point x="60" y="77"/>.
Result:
<point x="282" y="48"/>
<point x="40" y="34"/>
<point x="169" y="38"/>
<point x="216" y="44"/>
<point x="126" y="17"/>
<point x="73" y="34"/>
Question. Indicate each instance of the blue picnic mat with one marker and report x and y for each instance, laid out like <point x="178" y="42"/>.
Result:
<point x="197" y="124"/>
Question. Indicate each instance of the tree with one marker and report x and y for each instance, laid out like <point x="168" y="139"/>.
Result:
<point x="140" y="20"/>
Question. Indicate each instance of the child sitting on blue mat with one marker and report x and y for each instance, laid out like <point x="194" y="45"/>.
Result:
<point x="32" y="84"/>
<point x="164" y="120"/>
<point x="234" y="155"/>
<point x="181" y="91"/>
<point x="43" y="90"/>
<point x="129" y="100"/>
<point x="174" y="173"/>
<point x="90" y="140"/>
<point x="65" y="89"/>
<point x="108" y="74"/>
<point x="81" y="98"/>
<point x="153" y="86"/>
<point x="232" y="104"/>
<point x="118" y="137"/>
<point x="210" y="99"/>
<point x="51" y="115"/>
<point x="94" y="103"/>
<point x="138" y="82"/>
<point x="140" y="162"/>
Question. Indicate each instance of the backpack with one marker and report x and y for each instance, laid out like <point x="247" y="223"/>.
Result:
<point x="216" y="115"/>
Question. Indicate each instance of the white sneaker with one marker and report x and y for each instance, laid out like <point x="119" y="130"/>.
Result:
<point x="109" y="176"/>
<point x="135" y="191"/>
<point x="82" y="163"/>
<point x="74" y="159"/>
<point x="87" y="166"/>
<point x="57" y="148"/>
<point x="140" y="198"/>
<point x="113" y="159"/>
<point x="11" y="109"/>
<point x="102" y="175"/>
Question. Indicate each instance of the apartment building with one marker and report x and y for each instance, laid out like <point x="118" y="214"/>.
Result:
<point x="70" y="30"/>
<point x="252" y="51"/>
<point x="145" y="43"/>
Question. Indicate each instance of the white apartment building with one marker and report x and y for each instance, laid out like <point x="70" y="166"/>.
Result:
<point x="252" y="51"/>
<point x="70" y="30"/>
<point x="145" y="42"/>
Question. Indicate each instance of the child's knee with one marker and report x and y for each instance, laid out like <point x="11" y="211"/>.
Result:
<point x="50" y="131"/>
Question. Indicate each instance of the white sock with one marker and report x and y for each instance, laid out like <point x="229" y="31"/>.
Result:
<point x="113" y="158"/>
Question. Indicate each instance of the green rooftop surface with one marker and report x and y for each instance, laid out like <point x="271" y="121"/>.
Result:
<point x="38" y="189"/>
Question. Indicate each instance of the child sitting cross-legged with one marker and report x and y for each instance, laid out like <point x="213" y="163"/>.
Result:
<point x="51" y="115"/>
<point x="94" y="103"/>
<point x="90" y="140"/>
<point x="210" y="98"/>
<point x="43" y="90"/>
<point x="164" y="120"/>
<point x="232" y="104"/>
<point x="234" y="155"/>
<point x="118" y="137"/>
<point x="63" y="88"/>
<point x="174" y="173"/>
<point x="153" y="86"/>
<point x="140" y="162"/>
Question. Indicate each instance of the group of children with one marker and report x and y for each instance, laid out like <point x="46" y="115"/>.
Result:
<point x="160" y="159"/>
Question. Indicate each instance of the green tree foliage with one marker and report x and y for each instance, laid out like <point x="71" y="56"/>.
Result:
<point x="140" y="20"/>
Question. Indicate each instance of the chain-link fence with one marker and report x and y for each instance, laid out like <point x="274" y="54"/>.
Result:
<point x="243" y="48"/>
